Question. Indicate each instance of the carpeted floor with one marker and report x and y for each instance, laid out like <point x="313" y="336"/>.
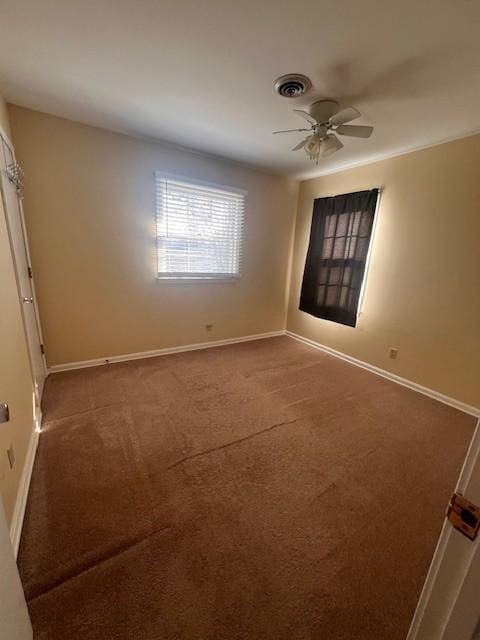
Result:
<point x="262" y="491"/>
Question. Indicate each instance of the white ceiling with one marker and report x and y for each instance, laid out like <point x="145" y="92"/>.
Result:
<point x="200" y="73"/>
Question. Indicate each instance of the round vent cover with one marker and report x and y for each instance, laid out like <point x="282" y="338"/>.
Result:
<point x="292" y="85"/>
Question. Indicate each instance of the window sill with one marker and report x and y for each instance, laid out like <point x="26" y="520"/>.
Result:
<point x="194" y="280"/>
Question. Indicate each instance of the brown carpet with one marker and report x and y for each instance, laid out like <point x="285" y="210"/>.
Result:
<point x="257" y="491"/>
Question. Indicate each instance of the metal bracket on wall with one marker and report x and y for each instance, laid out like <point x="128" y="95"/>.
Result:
<point x="464" y="516"/>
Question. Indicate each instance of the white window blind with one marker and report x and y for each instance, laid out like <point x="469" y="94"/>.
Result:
<point x="199" y="229"/>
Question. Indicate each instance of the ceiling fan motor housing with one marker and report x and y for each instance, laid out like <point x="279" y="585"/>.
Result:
<point x="292" y="85"/>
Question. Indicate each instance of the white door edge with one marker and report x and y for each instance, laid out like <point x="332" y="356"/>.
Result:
<point x="446" y="609"/>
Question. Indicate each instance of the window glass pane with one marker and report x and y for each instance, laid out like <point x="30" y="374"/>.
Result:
<point x="335" y="275"/>
<point x="320" y="295"/>
<point x="323" y="275"/>
<point x="344" y="292"/>
<point x="327" y="248"/>
<point x="342" y="226"/>
<point x="331" y="296"/>
<point x="339" y="248"/>
<point x="330" y="223"/>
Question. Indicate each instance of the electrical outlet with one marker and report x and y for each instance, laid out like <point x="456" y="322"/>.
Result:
<point x="208" y="327"/>
<point x="11" y="456"/>
<point x="393" y="353"/>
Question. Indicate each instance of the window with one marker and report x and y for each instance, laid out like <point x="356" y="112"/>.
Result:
<point x="337" y="256"/>
<point x="199" y="229"/>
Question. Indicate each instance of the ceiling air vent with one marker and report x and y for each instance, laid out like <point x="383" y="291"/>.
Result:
<point x="292" y="85"/>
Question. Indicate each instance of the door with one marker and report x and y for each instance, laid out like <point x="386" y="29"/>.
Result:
<point x="16" y="428"/>
<point x="18" y="239"/>
<point x="14" y="620"/>
<point x="449" y="607"/>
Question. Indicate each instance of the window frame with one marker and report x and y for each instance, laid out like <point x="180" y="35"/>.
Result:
<point x="190" y="276"/>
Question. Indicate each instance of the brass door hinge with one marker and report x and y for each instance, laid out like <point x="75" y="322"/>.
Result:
<point x="30" y="273"/>
<point x="42" y="348"/>
<point x="464" y="516"/>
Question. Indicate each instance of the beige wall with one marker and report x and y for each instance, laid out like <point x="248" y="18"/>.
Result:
<point x="89" y="204"/>
<point x="423" y="287"/>
<point x="15" y="375"/>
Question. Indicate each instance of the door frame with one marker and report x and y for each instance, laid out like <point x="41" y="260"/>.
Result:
<point x="13" y="607"/>
<point x="6" y="140"/>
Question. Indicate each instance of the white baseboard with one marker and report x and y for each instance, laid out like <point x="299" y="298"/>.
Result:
<point x="436" y="395"/>
<point x="22" y="495"/>
<point x="160" y="352"/>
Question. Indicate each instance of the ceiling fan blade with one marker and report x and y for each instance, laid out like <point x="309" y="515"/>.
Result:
<point x="357" y="131"/>
<point x="329" y="145"/>
<point x="305" y="115"/>
<point x="289" y="130"/>
<point x="345" y="115"/>
<point x="300" y="145"/>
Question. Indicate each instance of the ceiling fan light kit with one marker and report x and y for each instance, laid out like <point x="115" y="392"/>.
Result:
<point x="326" y="120"/>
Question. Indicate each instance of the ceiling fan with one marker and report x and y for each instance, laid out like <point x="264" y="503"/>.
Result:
<point x="325" y="121"/>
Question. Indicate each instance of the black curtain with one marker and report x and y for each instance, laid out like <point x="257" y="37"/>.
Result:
<point x="337" y="253"/>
